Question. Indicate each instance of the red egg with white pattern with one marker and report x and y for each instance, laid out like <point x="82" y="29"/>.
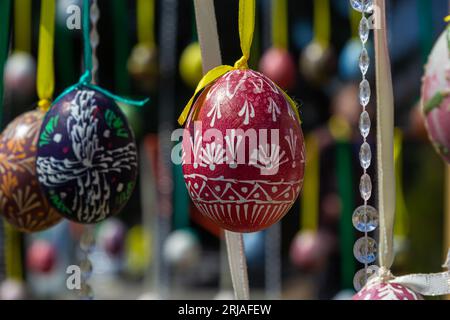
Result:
<point x="377" y="290"/>
<point x="243" y="152"/>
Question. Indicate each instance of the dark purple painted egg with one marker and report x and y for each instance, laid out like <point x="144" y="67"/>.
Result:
<point x="86" y="159"/>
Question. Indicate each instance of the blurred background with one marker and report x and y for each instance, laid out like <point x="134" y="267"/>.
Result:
<point x="160" y="246"/>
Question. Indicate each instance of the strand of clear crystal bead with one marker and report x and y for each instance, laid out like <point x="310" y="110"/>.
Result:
<point x="365" y="217"/>
<point x="95" y="38"/>
<point x="87" y="245"/>
<point x="87" y="241"/>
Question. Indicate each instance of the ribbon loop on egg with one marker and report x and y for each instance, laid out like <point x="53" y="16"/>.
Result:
<point x="246" y="30"/>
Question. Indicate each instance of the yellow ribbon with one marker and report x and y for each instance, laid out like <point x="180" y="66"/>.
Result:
<point x="22" y="25"/>
<point x="45" y="70"/>
<point x="322" y="22"/>
<point x="146" y="22"/>
<point x="246" y="29"/>
<point x="401" y="217"/>
<point x="280" y="23"/>
<point x="309" y="218"/>
<point x="12" y="253"/>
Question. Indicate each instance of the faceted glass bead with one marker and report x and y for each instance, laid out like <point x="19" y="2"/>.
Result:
<point x="86" y="268"/>
<point x="365" y="218"/>
<point x="365" y="155"/>
<point x="364" y="124"/>
<point x="87" y="241"/>
<point x="361" y="277"/>
<point x="364" y="93"/>
<point x="365" y="250"/>
<point x="365" y="187"/>
<point x="364" y="61"/>
<point x="86" y="292"/>
<point x="95" y="12"/>
<point x="362" y="5"/>
<point x="95" y="39"/>
<point x="364" y="30"/>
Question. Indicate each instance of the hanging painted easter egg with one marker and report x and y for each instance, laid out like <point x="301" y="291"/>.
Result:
<point x="111" y="236"/>
<point x="86" y="160"/>
<point x="20" y="73"/>
<point x="316" y="63"/>
<point x="182" y="249"/>
<point x="41" y="257"/>
<point x="138" y="250"/>
<point x="143" y="67"/>
<point x="191" y="68"/>
<point x="436" y="96"/>
<point x="309" y="250"/>
<point x="22" y="202"/>
<point x="376" y="290"/>
<point x="243" y="152"/>
<point x="278" y="65"/>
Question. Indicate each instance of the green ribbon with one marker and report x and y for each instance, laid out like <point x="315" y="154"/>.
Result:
<point x="5" y="11"/>
<point x="346" y="233"/>
<point x="86" y="79"/>
<point x="122" y="47"/>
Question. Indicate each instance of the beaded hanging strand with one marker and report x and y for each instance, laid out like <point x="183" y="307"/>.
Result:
<point x="365" y="217"/>
<point x="95" y="39"/>
<point x="87" y="241"/>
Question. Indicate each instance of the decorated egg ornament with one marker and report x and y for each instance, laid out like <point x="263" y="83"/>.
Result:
<point x="436" y="96"/>
<point x="21" y="201"/>
<point x="191" y="69"/>
<point x="86" y="160"/>
<point x="143" y="66"/>
<point x="317" y="63"/>
<point x="278" y="65"/>
<point x="243" y="152"/>
<point x="377" y="290"/>
<point x="20" y="73"/>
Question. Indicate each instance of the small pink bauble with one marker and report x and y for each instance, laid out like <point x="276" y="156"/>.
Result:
<point x="309" y="250"/>
<point x="278" y="65"/>
<point x="111" y="237"/>
<point x="41" y="257"/>
<point x="20" y="73"/>
<point x="436" y="96"/>
<point x="386" y="291"/>
<point x="243" y="152"/>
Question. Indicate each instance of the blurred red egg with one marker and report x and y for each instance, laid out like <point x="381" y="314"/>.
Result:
<point x="309" y="250"/>
<point x="279" y="66"/>
<point x="41" y="257"/>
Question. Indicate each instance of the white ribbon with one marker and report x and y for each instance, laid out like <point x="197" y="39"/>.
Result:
<point x="434" y="284"/>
